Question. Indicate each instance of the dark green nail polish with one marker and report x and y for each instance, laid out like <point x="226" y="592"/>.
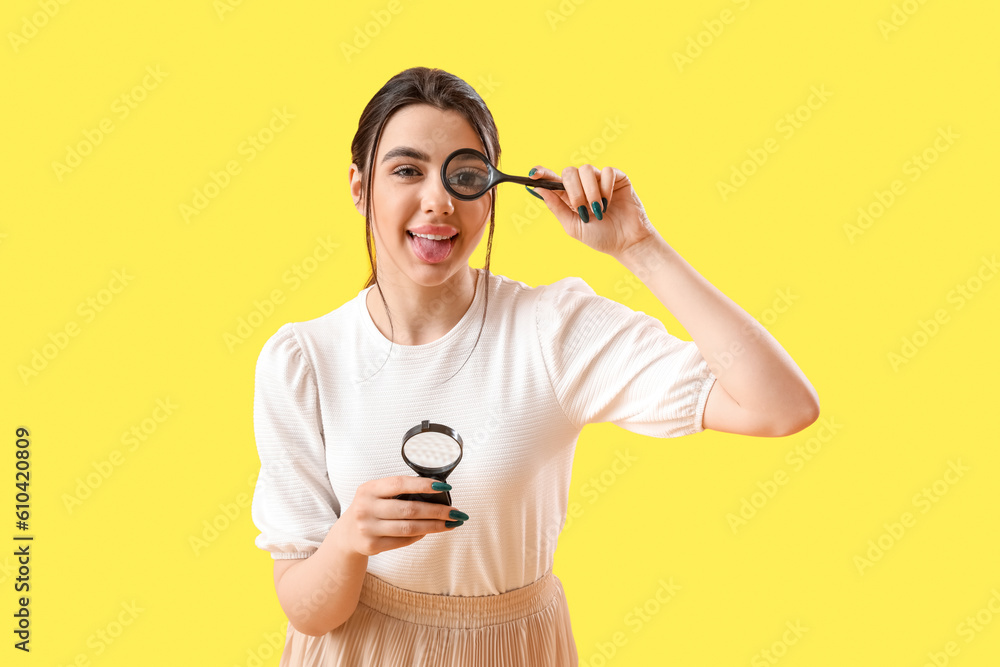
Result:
<point x="597" y="210"/>
<point x="532" y="172"/>
<point x="582" y="210"/>
<point x="452" y="524"/>
<point x="604" y="201"/>
<point x="455" y="514"/>
<point x="441" y="486"/>
<point x="535" y="194"/>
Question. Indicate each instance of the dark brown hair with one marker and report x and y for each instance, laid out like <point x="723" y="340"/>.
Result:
<point x="444" y="91"/>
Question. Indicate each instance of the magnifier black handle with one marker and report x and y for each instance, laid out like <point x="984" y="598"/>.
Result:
<point x="441" y="498"/>
<point x="541" y="183"/>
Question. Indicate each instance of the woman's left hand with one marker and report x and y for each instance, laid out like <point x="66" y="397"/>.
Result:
<point x="624" y="222"/>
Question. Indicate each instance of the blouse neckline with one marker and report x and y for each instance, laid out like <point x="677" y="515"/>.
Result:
<point x="412" y="350"/>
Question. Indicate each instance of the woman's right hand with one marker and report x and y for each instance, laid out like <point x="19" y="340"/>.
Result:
<point x="376" y="521"/>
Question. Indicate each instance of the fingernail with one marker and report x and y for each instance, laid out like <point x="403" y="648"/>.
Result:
<point x="452" y="524"/>
<point x="597" y="210"/>
<point x="534" y="193"/>
<point x="582" y="210"/>
<point x="455" y="514"/>
<point x="441" y="486"/>
<point x="532" y="172"/>
<point x="604" y="200"/>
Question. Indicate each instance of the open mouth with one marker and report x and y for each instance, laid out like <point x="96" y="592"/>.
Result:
<point x="431" y="251"/>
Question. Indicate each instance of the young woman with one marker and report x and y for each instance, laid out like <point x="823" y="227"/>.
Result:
<point x="369" y="579"/>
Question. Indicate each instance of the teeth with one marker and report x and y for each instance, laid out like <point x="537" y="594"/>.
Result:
<point x="432" y="237"/>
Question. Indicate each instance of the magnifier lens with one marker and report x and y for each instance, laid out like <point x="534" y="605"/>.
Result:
<point x="431" y="450"/>
<point x="467" y="175"/>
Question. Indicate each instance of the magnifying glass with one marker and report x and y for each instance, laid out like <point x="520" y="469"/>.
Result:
<point x="467" y="174"/>
<point x="433" y="451"/>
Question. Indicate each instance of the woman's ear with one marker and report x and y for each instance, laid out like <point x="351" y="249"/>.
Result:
<point x="354" y="176"/>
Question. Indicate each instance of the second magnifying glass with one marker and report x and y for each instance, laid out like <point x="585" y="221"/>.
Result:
<point x="467" y="174"/>
<point x="433" y="451"/>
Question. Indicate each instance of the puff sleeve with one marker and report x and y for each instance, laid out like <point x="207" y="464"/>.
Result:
<point x="294" y="505"/>
<point x="609" y="363"/>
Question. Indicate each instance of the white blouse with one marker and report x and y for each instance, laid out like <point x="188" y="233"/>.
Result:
<point x="550" y="359"/>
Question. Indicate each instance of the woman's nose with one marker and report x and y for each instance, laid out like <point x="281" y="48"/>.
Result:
<point x="435" y="197"/>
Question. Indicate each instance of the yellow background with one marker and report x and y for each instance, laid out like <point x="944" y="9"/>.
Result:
<point x="554" y="75"/>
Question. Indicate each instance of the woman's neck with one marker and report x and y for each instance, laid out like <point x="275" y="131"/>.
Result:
<point x="421" y="315"/>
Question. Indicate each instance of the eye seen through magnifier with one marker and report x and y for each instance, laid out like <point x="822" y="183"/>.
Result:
<point x="467" y="174"/>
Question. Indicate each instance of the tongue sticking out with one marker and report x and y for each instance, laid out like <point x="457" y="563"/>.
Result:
<point x="431" y="251"/>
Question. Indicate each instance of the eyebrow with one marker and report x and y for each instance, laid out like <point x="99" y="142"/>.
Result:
<point x="406" y="151"/>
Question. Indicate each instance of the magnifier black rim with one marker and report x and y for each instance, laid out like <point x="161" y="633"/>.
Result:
<point x="494" y="174"/>
<point x="424" y="427"/>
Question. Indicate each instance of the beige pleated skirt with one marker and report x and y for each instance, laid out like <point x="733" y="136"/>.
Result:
<point x="395" y="627"/>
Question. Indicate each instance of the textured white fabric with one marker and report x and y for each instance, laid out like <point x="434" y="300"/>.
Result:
<point x="551" y="359"/>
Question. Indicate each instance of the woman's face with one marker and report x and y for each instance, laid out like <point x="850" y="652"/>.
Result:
<point x="407" y="195"/>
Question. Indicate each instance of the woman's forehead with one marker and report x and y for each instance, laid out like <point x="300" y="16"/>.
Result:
<point x="431" y="131"/>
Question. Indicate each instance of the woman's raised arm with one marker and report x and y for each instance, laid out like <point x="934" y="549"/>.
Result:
<point x="759" y="390"/>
